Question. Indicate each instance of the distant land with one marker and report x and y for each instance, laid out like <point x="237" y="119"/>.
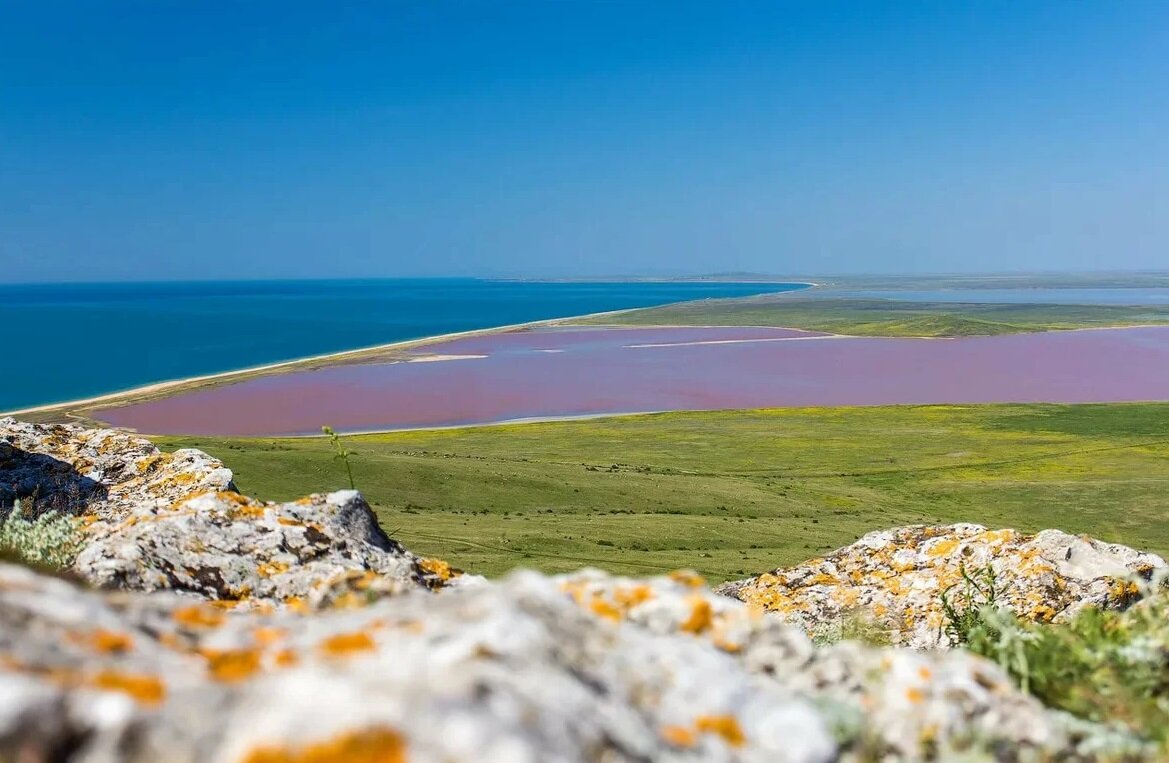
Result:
<point x="908" y="281"/>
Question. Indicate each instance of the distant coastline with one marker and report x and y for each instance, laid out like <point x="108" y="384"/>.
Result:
<point x="75" y="409"/>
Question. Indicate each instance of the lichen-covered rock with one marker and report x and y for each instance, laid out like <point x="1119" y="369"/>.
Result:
<point x="324" y="550"/>
<point x="579" y="668"/>
<point x="896" y="579"/>
<point x="101" y="473"/>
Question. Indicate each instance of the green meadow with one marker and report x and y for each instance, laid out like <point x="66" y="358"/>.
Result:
<point x="883" y="317"/>
<point x="733" y="492"/>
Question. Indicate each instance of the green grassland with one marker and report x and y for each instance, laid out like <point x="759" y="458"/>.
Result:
<point x="884" y="317"/>
<point x="733" y="492"/>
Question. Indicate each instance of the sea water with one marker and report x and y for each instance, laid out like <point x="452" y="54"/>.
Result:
<point x="69" y="341"/>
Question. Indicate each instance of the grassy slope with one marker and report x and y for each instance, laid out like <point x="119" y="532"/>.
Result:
<point x="735" y="492"/>
<point x="879" y="317"/>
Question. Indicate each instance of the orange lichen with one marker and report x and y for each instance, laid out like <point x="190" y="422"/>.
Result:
<point x="915" y="695"/>
<point x="943" y="548"/>
<point x="149" y="690"/>
<point x="439" y="568"/>
<point x="226" y="605"/>
<point x="679" y="736"/>
<point x="108" y="642"/>
<point x="231" y="665"/>
<point x="604" y="608"/>
<point x="343" y="644"/>
<point x="289" y="521"/>
<point x="266" y="636"/>
<point x="198" y="616"/>
<point x="286" y="658"/>
<point x="688" y="578"/>
<point x="629" y="597"/>
<point x="379" y="745"/>
<point x="268" y="569"/>
<point x="725" y="726"/>
<point x="247" y="511"/>
<point x="701" y="616"/>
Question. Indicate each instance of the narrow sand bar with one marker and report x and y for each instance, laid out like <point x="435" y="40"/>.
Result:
<point x="571" y="372"/>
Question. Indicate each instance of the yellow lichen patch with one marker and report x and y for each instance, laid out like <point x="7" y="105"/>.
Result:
<point x="297" y="604"/>
<point x="997" y="537"/>
<point x="231" y="665"/>
<point x="604" y="608"/>
<point x="247" y="511"/>
<point x="110" y="642"/>
<point x="700" y="618"/>
<point x="439" y="568"/>
<point x="1123" y="590"/>
<point x="915" y="695"/>
<point x="268" y="569"/>
<point x="285" y="658"/>
<point x="344" y="644"/>
<point x="289" y="521"/>
<point x="728" y="646"/>
<point x="369" y="746"/>
<point x="266" y="636"/>
<point x="147" y="689"/>
<point x="227" y="605"/>
<point x="679" y="736"/>
<point x="147" y="463"/>
<point x="688" y="578"/>
<point x="943" y="548"/>
<point x="725" y="726"/>
<point x="198" y="616"/>
<point x="628" y="597"/>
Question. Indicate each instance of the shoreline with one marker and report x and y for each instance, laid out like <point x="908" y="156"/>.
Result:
<point x="403" y="344"/>
<point x="630" y="414"/>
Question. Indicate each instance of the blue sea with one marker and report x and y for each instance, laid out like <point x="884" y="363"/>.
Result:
<point x="69" y="341"/>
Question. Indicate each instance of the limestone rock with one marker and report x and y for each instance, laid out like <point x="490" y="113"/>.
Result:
<point x="101" y="473"/>
<point x="320" y="550"/>
<point x="583" y="667"/>
<point x="896" y="578"/>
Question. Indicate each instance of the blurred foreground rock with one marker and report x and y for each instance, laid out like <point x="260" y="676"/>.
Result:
<point x="578" y="668"/>
<point x="896" y="579"/>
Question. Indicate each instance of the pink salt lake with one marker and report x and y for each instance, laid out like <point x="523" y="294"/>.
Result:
<point x="562" y="372"/>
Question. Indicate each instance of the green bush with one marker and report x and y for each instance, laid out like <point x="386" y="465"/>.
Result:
<point x="49" y="540"/>
<point x="1104" y="666"/>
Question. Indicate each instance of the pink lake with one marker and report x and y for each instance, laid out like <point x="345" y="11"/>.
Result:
<point x="559" y="372"/>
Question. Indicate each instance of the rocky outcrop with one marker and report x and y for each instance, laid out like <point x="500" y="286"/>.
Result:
<point x="896" y="578"/>
<point x="100" y="473"/>
<point x="583" y="667"/>
<point x="324" y="550"/>
<point x="171" y="521"/>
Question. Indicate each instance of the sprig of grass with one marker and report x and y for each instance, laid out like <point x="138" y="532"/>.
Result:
<point x="342" y="453"/>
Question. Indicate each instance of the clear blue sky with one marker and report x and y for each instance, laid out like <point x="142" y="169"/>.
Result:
<point x="165" y="140"/>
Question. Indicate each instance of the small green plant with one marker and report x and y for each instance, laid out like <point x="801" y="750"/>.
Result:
<point x="49" y="540"/>
<point x="341" y="453"/>
<point x="970" y="615"/>
<point x="1104" y="666"/>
